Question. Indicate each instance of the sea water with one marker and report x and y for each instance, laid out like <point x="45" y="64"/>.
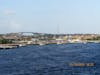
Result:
<point x="51" y="60"/>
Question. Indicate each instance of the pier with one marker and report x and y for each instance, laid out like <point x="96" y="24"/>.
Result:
<point x="9" y="46"/>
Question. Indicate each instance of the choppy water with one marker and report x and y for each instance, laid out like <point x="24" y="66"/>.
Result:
<point x="50" y="60"/>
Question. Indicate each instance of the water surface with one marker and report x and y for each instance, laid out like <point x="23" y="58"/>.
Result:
<point x="50" y="60"/>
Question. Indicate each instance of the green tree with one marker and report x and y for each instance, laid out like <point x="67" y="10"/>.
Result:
<point x="5" y="41"/>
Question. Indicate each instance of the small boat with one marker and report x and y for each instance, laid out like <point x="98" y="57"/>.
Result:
<point x="41" y="44"/>
<point x="59" y="43"/>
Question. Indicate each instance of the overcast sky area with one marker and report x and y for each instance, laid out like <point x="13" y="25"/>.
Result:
<point x="50" y="16"/>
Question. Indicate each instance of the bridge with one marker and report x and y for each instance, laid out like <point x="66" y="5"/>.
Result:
<point x="29" y="33"/>
<point x="32" y="34"/>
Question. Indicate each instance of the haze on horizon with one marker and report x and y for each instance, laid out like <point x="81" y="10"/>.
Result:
<point x="72" y="16"/>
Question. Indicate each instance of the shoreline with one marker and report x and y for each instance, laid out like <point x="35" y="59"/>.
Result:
<point x="12" y="46"/>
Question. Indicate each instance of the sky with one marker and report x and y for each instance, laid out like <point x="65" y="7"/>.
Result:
<point x="50" y="16"/>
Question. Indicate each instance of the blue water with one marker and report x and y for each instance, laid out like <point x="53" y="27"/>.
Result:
<point x="50" y="60"/>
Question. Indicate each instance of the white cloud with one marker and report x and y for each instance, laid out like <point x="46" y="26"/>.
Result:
<point x="14" y="26"/>
<point x="11" y="24"/>
<point x="8" y="12"/>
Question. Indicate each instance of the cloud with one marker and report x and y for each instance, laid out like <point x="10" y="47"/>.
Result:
<point x="8" y="12"/>
<point x="11" y="24"/>
<point x="15" y="26"/>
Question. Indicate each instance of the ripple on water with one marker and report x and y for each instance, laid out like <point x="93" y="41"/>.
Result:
<point x="50" y="60"/>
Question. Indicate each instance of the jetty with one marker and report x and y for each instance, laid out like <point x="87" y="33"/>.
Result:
<point x="9" y="46"/>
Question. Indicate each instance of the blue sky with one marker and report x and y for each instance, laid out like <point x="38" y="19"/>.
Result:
<point x="72" y="16"/>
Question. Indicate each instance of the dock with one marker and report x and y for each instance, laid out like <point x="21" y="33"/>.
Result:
<point x="8" y="46"/>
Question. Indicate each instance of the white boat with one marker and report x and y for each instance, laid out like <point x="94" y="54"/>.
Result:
<point x="41" y="44"/>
